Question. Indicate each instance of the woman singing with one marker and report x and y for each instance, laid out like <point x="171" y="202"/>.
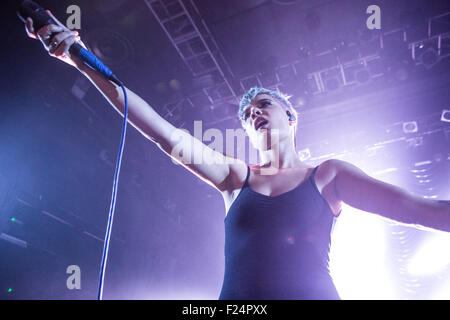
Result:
<point x="280" y="212"/>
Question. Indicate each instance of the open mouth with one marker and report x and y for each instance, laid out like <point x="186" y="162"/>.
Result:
<point x="260" y="123"/>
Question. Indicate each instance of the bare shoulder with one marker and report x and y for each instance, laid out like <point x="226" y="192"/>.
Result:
<point x="331" y="167"/>
<point x="339" y="174"/>
<point x="327" y="172"/>
<point x="327" y="169"/>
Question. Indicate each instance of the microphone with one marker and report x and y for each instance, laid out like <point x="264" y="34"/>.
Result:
<point x="41" y="18"/>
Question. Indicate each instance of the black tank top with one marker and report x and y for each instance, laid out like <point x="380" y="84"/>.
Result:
<point x="278" y="247"/>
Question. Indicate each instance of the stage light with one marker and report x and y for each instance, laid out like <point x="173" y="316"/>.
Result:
<point x="358" y="257"/>
<point x="10" y="290"/>
<point x="410" y="127"/>
<point x="432" y="257"/>
<point x="304" y="154"/>
<point x="429" y="58"/>
<point x="13" y="219"/>
<point x="332" y="84"/>
<point x="445" y="117"/>
<point x="362" y="76"/>
<point x="332" y="79"/>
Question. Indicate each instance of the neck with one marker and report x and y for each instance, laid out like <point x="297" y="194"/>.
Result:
<point x="280" y="155"/>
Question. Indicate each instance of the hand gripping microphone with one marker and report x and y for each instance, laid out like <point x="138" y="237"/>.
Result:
<point x="41" y="18"/>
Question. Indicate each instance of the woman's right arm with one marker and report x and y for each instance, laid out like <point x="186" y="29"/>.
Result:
<point x="178" y="144"/>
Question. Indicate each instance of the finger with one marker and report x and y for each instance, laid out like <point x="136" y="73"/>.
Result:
<point x="57" y="39"/>
<point x="46" y="32"/>
<point x="56" y="20"/>
<point x="82" y="43"/>
<point x="29" y="28"/>
<point x="63" y="48"/>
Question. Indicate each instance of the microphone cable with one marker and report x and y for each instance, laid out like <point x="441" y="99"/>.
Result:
<point x="113" y="199"/>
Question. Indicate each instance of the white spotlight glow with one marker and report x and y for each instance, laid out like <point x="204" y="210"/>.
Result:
<point x="358" y="261"/>
<point x="432" y="257"/>
<point x="443" y="293"/>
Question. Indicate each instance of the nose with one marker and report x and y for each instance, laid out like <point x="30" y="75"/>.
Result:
<point x="255" y="111"/>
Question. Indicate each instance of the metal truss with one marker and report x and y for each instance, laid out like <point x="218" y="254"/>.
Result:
<point x="190" y="36"/>
<point x="341" y="72"/>
<point x="329" y="70"/>
<point x="434" y="43"/>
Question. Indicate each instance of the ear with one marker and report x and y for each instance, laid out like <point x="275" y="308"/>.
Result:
<point x="290" y="116"/>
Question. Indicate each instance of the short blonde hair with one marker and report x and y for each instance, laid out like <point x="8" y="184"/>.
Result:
<point x="253" y="92"/>
<point x="284" y="98"/>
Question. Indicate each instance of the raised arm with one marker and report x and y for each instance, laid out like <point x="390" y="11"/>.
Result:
<point x="178" y="144"/>
<point x="363" y="192"/>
